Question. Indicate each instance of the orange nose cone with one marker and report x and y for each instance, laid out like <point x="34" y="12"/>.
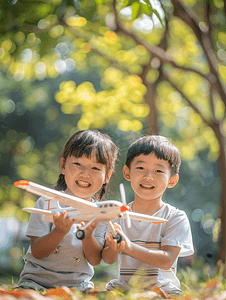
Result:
<point x="21" y="182"/>
<point x="124" y="208"/>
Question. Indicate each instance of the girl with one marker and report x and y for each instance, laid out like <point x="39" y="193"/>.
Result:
<point x="56" y="257"/>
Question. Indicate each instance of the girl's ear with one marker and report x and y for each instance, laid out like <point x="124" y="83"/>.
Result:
<point x="126" y="172"/>
<point x="62" y="165"/>
<point x="173" y="181"/>
<point x="108" y="176"/>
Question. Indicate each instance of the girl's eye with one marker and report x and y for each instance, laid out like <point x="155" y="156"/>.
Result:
<point x="77" y="164"/>
<point x="95" y="168"/>
<point x="159" y="171"/>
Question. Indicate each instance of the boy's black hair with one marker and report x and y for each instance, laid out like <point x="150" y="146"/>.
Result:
<point x="83" y="143"/>
<point x="160" y="146"/>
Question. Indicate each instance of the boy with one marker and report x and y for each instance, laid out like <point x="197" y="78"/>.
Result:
<point x="150" y="250"/>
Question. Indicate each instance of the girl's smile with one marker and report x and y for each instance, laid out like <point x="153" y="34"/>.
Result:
<point x="84" y="175"/>
<point x="83" y="184"/>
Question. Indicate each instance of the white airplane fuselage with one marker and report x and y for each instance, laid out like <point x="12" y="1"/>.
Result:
<point x="82" y="210"/>
<point x="103" y="212"/>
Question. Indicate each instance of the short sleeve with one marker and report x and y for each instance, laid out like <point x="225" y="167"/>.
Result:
<point x="100" y="232"/>
<point x="36" y="226"/>
<point x="177" y="232"/>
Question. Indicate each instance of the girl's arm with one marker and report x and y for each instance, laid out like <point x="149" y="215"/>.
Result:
<point x="91" y="247"/>
<point x="43" y="246"/>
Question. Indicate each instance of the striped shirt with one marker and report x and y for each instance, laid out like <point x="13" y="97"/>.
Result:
<point x="176" y="232"/>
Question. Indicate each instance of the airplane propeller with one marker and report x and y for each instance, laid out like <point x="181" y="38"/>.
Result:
<point x="124" y="207"/>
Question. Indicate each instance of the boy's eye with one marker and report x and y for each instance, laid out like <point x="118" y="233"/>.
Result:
<point x="77" y="164"/>
<point x="159" y="171"/>
<point x="140" y="168"/>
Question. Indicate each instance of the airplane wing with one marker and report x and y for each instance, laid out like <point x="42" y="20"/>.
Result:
<point x="38" y="211"/>
<point x="142" y="217"/>
<point x="49" y="193"/>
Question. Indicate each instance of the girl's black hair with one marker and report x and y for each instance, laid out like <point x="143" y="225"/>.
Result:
<point x="160" y="146"/>
<point x="83" y="143"/>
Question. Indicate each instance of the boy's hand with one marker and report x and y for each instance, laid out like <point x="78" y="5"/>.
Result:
<point x="112" y="243"/>
<point x="125" y="244"/>
<point x="117" y="247"/>
<point x="112" y="248"/>
<point x="62" y="223"/>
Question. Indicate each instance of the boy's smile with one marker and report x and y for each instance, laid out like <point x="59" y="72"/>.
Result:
<point x="149" y="177"/>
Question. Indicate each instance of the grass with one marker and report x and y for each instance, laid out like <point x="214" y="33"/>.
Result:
<point x="200" y="281"/>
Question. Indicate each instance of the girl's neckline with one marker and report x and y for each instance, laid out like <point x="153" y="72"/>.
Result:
<point x="92" y="200"/>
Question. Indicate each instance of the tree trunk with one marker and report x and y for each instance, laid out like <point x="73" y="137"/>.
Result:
<point x="152" y="120"/>
<point x="222" y="173"/>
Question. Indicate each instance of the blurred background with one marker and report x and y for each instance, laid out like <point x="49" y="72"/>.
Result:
<point x="127" y="68"/>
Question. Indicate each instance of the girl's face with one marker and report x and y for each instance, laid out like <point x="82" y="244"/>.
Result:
<point x="84" y="176"/>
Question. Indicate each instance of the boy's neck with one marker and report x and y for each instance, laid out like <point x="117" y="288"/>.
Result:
<point x="147" y="207"/>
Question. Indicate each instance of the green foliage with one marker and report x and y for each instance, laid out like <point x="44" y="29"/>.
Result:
<point x="194" y="286"/>
<point x="199" y="280"/>
<point x="69" y="65"/>
<point x="66" y="33"/>
<point x="138" y="9"/>
<point x="122" y="105"/>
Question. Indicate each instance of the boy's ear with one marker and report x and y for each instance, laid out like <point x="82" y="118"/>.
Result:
<point x="126" y="172"/>
<point x="173" y="181"/>
<point x="62" y="165"/>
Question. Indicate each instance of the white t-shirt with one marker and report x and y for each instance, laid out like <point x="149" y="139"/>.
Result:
<point x="66" y="266"/>
<point x="176" y="232"/>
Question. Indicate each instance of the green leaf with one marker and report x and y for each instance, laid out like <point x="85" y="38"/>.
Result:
<point x="147" y="2"/>
<point x="90" y="9"/>
<point x="129" y="3"/>
<point x="136" y="8"/>
<point x="98" y="2"/>
<point x="158" y="16"/>
<point x="125" y="3"/>
<point x="145" y="9"/>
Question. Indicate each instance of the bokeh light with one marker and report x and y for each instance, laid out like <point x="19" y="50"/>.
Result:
<point x="197" y="215"/>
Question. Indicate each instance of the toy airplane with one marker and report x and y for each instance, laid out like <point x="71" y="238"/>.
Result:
<point x="82" y="210"/>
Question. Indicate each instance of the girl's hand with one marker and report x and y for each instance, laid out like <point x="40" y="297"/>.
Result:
<point x="89" y="230"/>
<point x="62" y="223"/>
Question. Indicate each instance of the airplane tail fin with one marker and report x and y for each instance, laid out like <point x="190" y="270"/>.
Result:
<point x="51" y="204"/>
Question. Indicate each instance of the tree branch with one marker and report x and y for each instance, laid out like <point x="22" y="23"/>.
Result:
<point x="159" y="52"/>
<point x="95" y="49"/>
<point x="203" y="36"/>
<point x="25" y="27"/>
<point x="167" y="78"/>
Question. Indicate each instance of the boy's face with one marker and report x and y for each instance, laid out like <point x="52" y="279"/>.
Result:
<point x="149" y="177"/>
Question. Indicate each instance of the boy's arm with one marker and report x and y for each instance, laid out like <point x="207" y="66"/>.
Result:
<point x="43" y="246"/>
<point x="161" y="258"/>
